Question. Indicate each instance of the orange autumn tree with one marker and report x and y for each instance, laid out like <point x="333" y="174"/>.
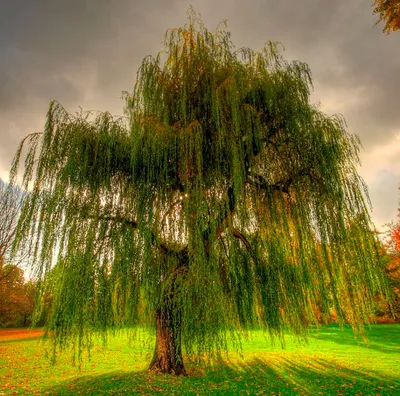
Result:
<point x="17" y="297"/>
<point x="389" y="13"/>
<point x="393" y="267"/>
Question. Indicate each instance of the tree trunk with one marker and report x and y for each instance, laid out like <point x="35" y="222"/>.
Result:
<point x="167" y="356"/>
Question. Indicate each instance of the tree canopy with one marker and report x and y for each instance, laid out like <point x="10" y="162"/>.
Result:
<point x="389" y="13"/>
<point x="223" y="200"/>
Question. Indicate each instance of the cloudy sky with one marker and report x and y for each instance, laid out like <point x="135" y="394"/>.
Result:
<point x="84" y="53"/>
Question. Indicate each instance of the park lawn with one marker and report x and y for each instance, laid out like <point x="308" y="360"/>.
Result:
<point x="332" y="363"/>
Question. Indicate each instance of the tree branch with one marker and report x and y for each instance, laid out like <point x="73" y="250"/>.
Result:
<point x="134" y="225"/>
<point x="116" y="219"/>
<point x="237" y="234"/>
<point x="259" y="182"/>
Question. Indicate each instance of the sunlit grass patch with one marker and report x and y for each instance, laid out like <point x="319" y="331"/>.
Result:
<point x="334" y="362"/>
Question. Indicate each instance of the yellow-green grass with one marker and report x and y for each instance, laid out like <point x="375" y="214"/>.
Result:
<point x="333" y="362"/>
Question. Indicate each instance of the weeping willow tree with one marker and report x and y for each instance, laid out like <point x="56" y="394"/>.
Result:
<point x="223" y="200"/>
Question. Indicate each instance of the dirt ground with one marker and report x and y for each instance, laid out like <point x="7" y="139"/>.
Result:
<point x="16" y="334"/>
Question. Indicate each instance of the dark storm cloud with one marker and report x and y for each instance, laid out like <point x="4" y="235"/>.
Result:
<point x="45" y="38"/>
<point x="76" y="52"/>
<point x="85" y="52"/>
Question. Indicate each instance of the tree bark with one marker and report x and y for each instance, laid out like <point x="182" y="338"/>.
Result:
<point x="167" y="358"/>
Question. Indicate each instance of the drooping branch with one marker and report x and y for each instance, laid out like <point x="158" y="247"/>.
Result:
<point x="132" y="223"/>
<point x="229" y="212"/>
<point x="260" y="182"/>
<point x="169" y="212"/>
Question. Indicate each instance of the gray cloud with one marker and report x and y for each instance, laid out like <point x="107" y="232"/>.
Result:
<point x="345" y="51"/>
<point x="85" y="52"/>
<point x="384" y="196"/>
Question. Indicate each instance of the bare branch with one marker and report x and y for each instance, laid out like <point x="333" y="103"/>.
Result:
<point x="10" y="205"/>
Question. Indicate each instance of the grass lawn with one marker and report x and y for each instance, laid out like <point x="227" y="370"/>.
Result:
<point x="333" y="363"/>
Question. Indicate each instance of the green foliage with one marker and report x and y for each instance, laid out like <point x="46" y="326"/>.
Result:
<point x="224" y="194"/>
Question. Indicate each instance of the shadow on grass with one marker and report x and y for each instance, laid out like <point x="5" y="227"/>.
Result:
<point x="286" y="377"/>
<point x="378" y="337"/>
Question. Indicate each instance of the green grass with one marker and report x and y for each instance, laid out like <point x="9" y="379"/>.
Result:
<point x="333" y="363"/>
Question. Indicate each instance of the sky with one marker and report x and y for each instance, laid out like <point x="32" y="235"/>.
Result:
<point x="84" y="53"/>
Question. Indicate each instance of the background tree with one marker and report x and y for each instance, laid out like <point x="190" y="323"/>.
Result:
<point x="10" y="205"/>
<point x="389" y="13"/>
<point x="17" y="297"/>
<point x="222" y="202"/>
<point x="393" y="265"/>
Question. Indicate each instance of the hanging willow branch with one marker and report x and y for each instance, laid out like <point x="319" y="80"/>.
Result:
<point x="224" y="194"/>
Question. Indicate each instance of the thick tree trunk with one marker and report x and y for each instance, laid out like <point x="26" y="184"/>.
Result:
<point x="167" y="356"/>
